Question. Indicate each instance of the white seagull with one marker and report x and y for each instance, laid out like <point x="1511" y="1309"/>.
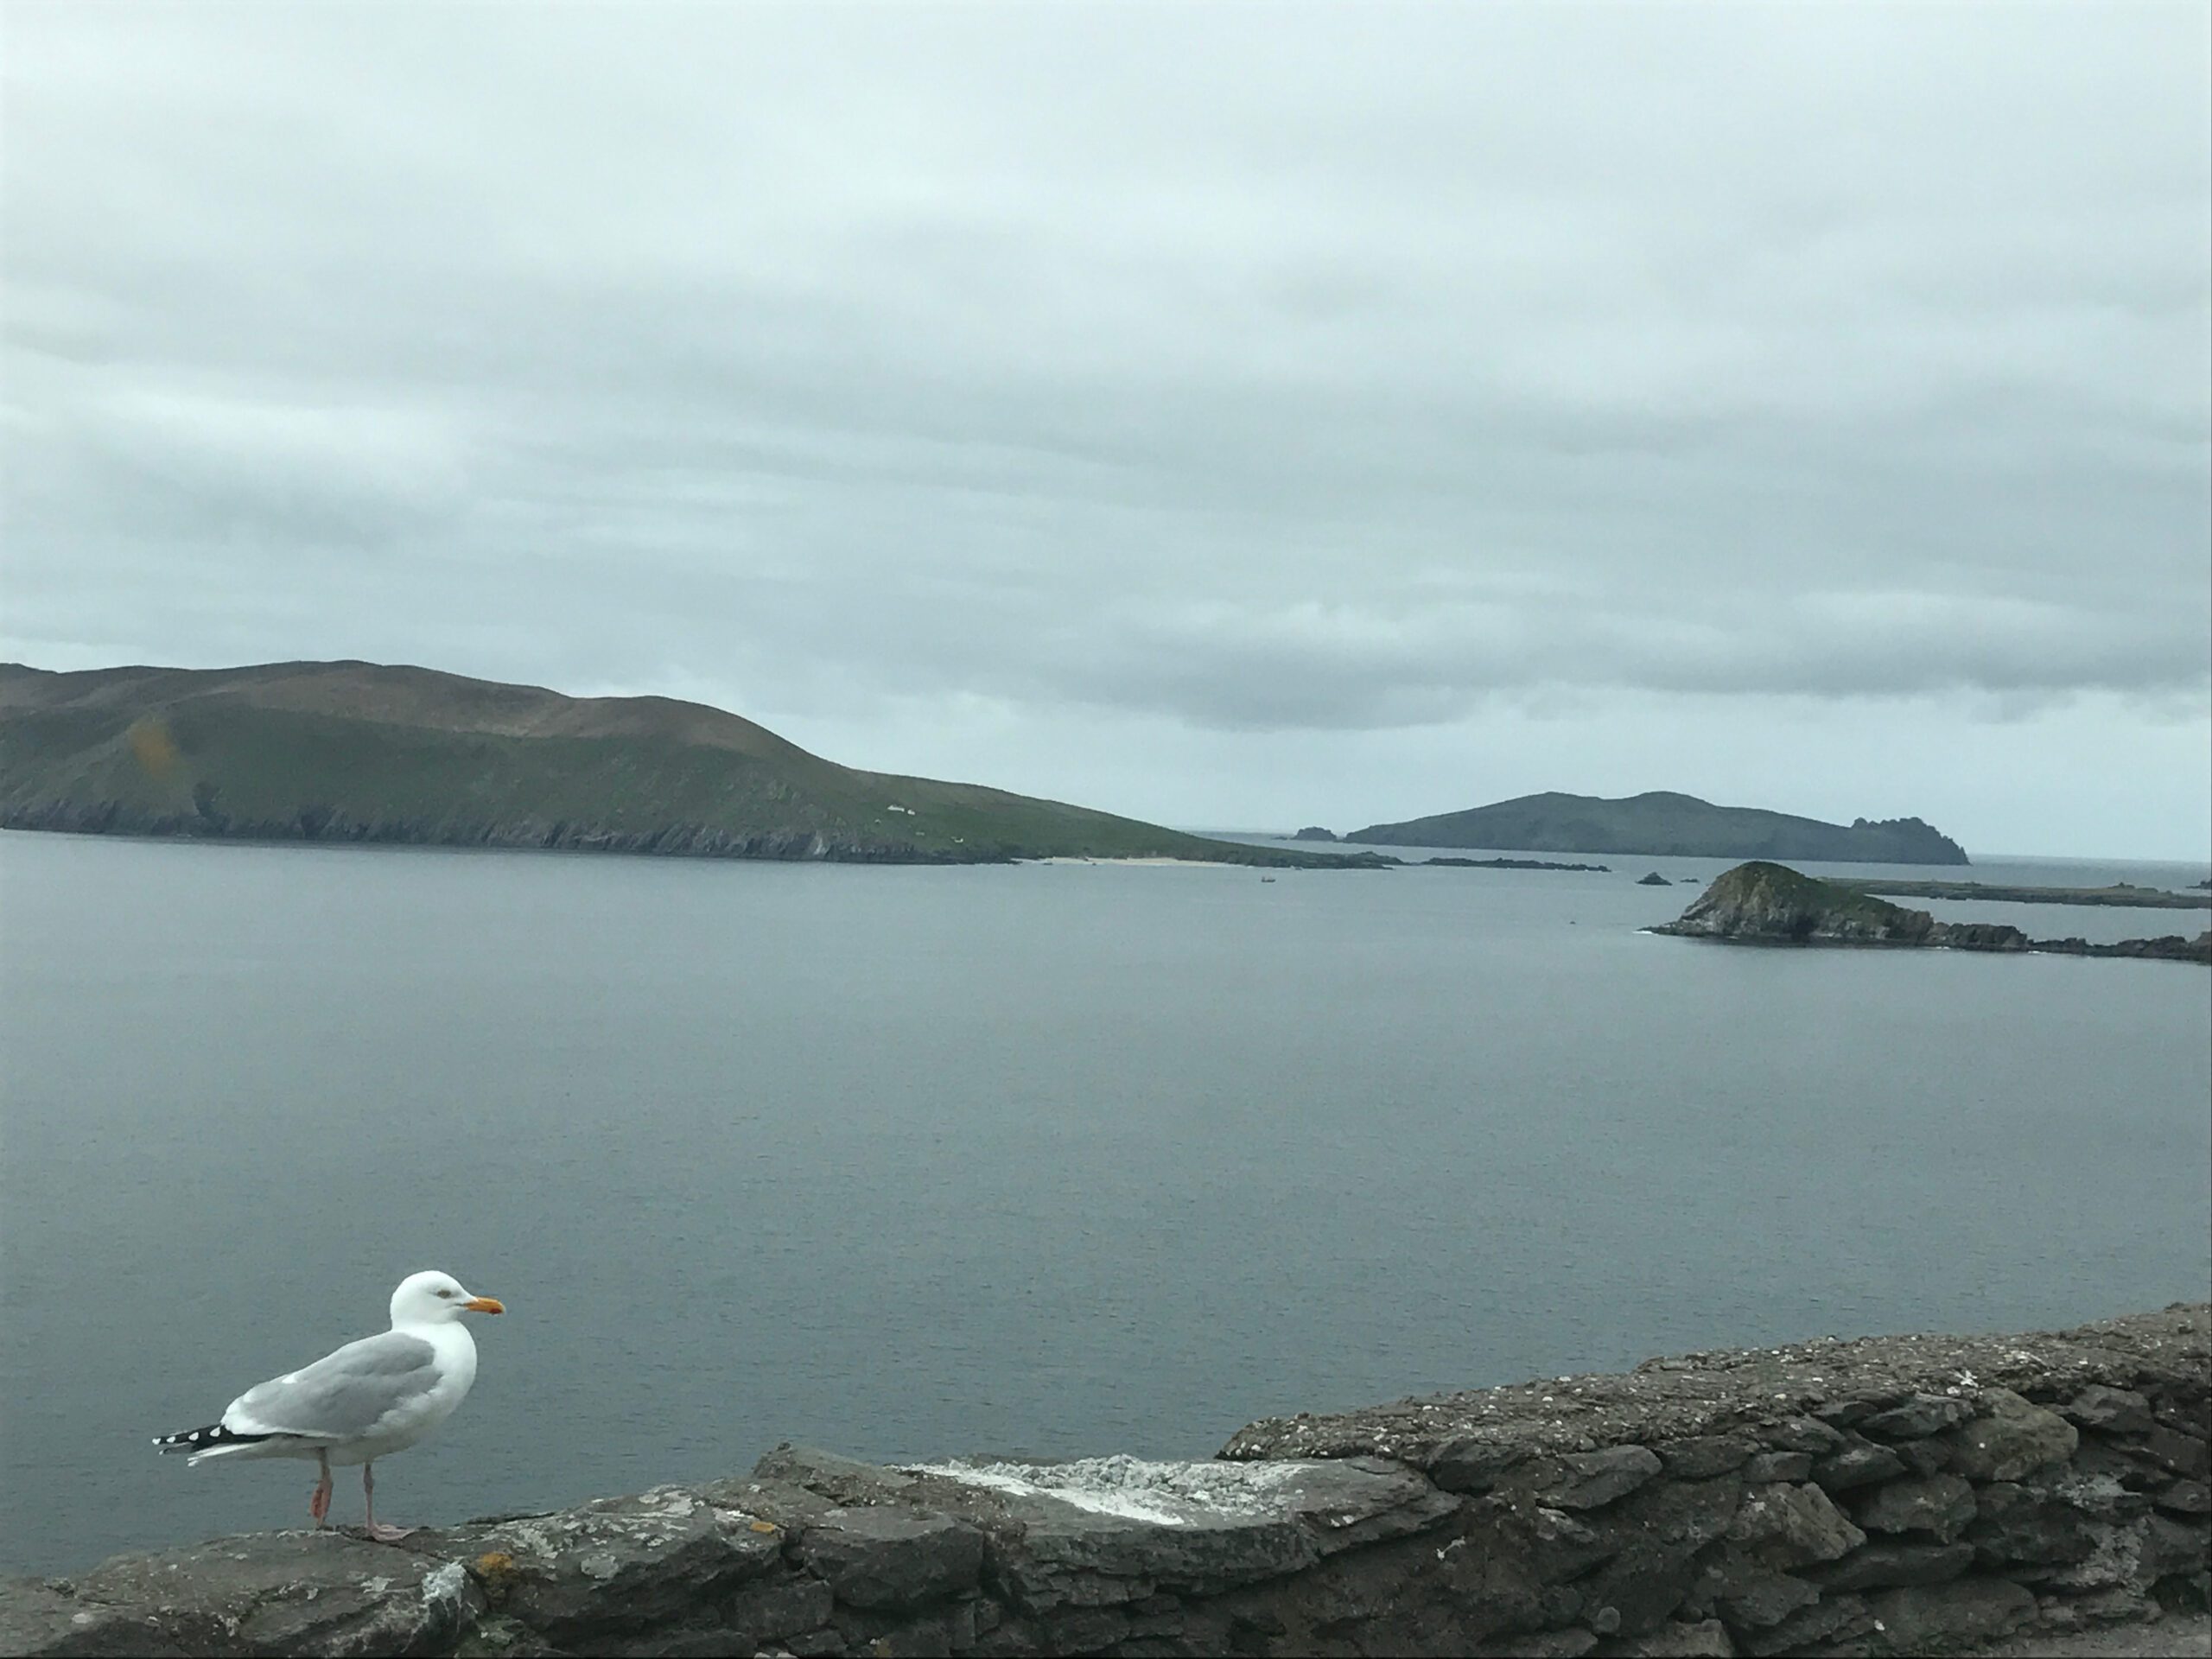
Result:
<point x="371" y="1397"/>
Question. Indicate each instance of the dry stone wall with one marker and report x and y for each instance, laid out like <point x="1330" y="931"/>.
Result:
<point x="1889" y="1496"/>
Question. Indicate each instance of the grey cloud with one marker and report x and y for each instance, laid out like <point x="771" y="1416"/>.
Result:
<point x="1336" y="369"/>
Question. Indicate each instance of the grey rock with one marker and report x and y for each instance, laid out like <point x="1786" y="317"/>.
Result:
<point x="2186" y="1497"/>
<point x="767" y="1612"/>
<point x="1698" y="1457"/>
<point x="1764" y="1599"/>
<point x="1706" y="1639"/>
<point x="1924" y="1457"/>
<point x="1918" y="1418"/>
<point x="2020" y="1525"/>
<point x="1635" y="1592"/>
<point x="1887" y="1566"/>
<point x="2117" y="1559"/>
<point x="1930" y="1619"/>
<point x="1784" y="1526"/>
<point x="1654" y="1537"/>
<point x="2186" y="1455"/>
<point x="843" y="1482"/>
<point x="38" y="1619"/>
<point x="1590" y="1480"/>
<point x="305" y="1593"/>
<point x="2015" y="1439"/>
<point x="1831" y="1618"/>
<point x="2123" y="1604"/>
<point x="2170" y="1548"/>
<point x="495" y="1636"/>
<point x="1689" y="1515"/>
<point x="1103" y="1532"/>
<point x="1844" y="1414"/>
<point x="2114" y="1411"/>
<point x="1571" y="1643"/>
<point x="1344" y="1503"/>
<point x="1778" y="1466"/>
<point x="1467" y="1465"/>
<point x="1801" y="1435"/>
<point x="613" y="1572"/>
<point x="1558" y="1547"/>
<point x="892" y="1559"/>
<point x="1940" y="1504"/>
<point x="1855" y="1466"/>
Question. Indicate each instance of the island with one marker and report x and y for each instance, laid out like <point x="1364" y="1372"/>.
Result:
<point x="1764" y="903"/>
<point x="362" y="752"/>
<point x="1513" y="864"/>
<point x="1662" y="823"/>
<point x="2120" y="893"/>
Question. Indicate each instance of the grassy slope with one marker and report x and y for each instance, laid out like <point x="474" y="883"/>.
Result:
<point x="1660" y="823"/>
<point x="407" y="754"/>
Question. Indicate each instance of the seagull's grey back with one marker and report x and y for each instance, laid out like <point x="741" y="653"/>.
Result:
<point x="341" y="1394"/>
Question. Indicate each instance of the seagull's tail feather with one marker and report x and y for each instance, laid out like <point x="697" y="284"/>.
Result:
<point x="209" y="1442"/>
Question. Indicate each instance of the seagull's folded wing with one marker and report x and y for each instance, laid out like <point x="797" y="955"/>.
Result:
<point x="341" y="1397"/>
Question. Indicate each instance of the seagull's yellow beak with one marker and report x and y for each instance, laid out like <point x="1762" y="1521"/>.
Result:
<point x="483" y="1304"/>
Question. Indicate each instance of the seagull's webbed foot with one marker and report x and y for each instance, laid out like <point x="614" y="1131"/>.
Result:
<point x="380" y="1534"/>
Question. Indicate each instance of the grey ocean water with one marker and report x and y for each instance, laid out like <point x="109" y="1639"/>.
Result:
<point x="1048" y="1160"/>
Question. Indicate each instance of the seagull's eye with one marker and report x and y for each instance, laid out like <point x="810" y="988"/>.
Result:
<point x="446" y="1294"/>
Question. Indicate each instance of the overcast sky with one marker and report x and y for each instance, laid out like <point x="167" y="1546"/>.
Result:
<point x="1231" y="415"/>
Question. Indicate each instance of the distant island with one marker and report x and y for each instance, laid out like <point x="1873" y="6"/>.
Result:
<point x="1667" y="825"/>
<point x="360" y="752"/>
<point x="1515" y="864"/>
<point x="2120" y="893"/>
<point x="1762" y="902"/>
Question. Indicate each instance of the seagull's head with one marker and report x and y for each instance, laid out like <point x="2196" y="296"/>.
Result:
<point x="433" y="1298"/>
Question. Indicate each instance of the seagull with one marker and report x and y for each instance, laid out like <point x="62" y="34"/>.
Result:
<point x="377" y="1395"/>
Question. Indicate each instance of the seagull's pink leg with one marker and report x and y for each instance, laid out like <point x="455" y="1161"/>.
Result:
<point x="319" y="1504"/>
<point x="382" y="1535"/>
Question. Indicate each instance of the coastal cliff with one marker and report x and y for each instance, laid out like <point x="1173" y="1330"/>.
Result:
<point x="1894" y="1495"/>
<point x="361" y="752"/>
<point x="1664" y="823"/>
<point x="1760" y="903"/>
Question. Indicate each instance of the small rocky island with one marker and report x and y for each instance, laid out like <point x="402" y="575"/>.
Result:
<point x="1886" y="1496"/>
<point x="1761" y="903"/>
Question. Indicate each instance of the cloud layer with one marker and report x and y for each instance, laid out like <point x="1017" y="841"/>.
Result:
<point x="1343" y="369"/>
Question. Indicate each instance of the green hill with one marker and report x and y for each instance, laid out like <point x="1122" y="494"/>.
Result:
<point x="360" y="752"/>
<point x="1664" y="823"/>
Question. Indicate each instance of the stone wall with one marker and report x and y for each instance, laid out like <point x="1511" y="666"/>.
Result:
<point x="1894" y="1495"/>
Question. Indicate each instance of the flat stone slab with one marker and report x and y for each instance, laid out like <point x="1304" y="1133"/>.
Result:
<point x="1106" y="1531"/>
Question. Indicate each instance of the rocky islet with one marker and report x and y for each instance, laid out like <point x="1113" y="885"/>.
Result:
<point x="1764" y="903"/>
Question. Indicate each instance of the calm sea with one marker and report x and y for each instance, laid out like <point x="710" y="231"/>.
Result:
<point x="1048" y="1160"/>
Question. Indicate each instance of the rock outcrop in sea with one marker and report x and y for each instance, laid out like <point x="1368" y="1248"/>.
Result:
<point x="1893" y="1495"/>
<point x="1760" y="903"/>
